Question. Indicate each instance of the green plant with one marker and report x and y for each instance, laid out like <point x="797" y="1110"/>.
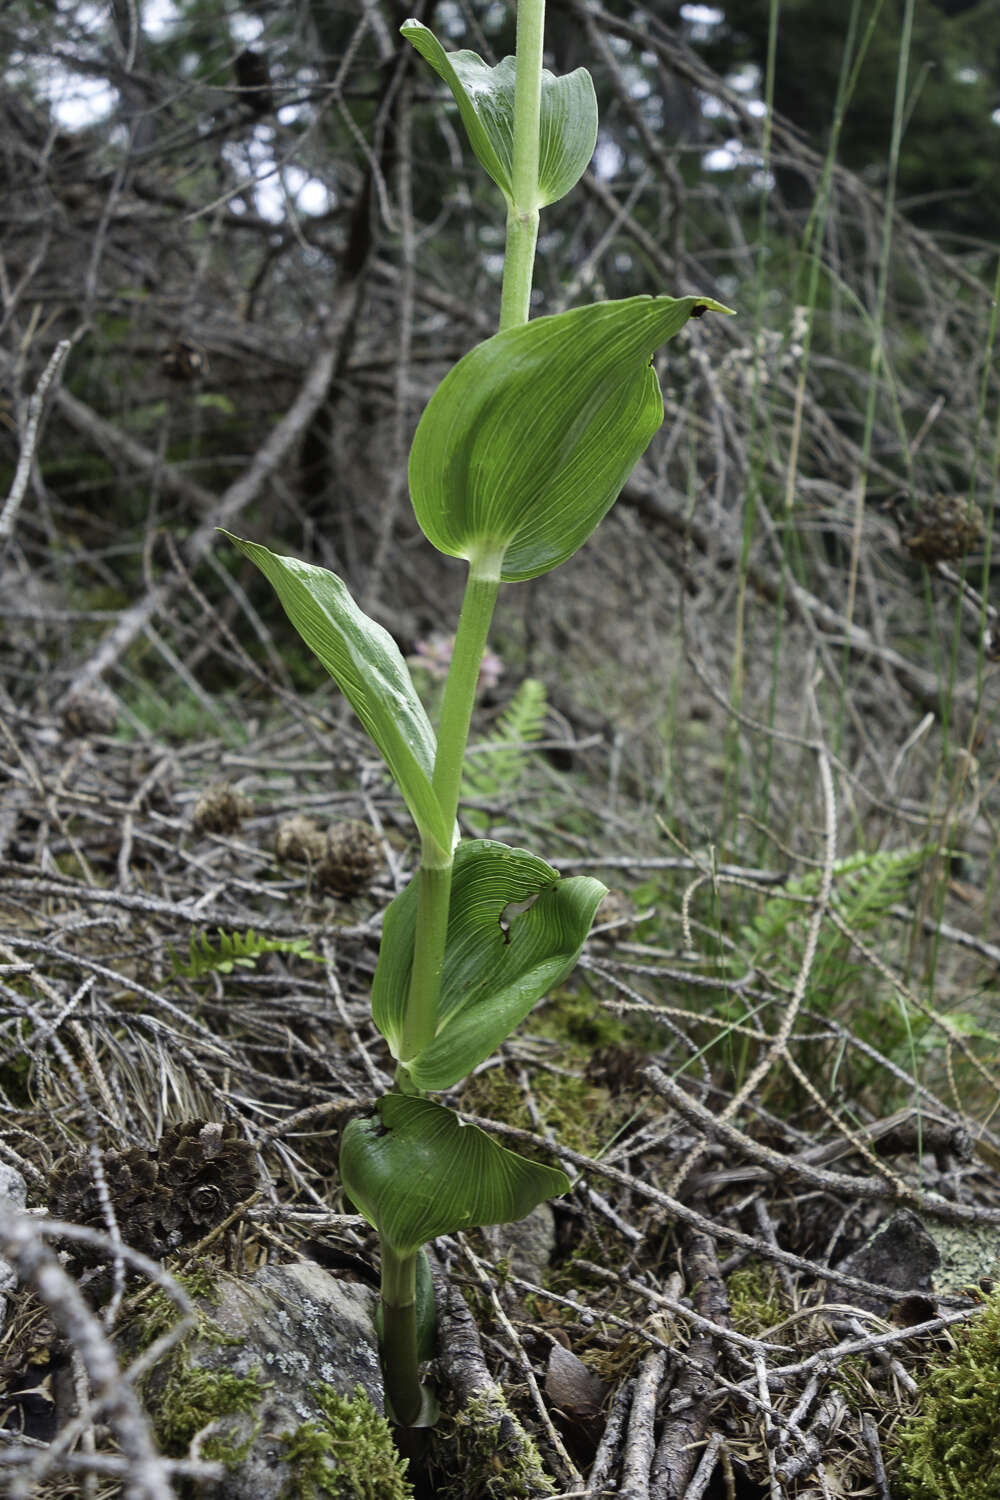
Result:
<point x="498" y="764"/>
<point x="235" y="950"/>
<point x="949" y="1449"/>
<point x="347" y="1453"/>
<point x="521" y="451"/>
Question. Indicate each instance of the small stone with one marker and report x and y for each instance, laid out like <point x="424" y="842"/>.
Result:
<point x="13" y="1197"/>
<point x="220" y="809"/>
<point x="288" y="1331"/>
<point x="350" y="859"/>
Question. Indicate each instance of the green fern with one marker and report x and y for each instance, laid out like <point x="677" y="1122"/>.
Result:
<point x="865" y="888"/>
<point x="495" y="770"/>
<point x="235" y="950"/>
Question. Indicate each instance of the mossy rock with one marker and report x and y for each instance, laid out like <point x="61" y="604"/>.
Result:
<point x="284" y="1365"/>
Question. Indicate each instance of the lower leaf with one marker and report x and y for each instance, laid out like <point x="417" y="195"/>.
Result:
<point x="415" y="1170"/>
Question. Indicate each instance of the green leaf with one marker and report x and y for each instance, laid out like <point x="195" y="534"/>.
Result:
<point x="526" y="443"/>
<point x="485" y="99"/>
<point x="416" y="1171"/>
<point x="365" y="662"/>
<point x="515" y="929"/>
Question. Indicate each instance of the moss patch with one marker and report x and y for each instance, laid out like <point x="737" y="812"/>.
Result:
<point x="949" y="1449"/>
<point x="346" y="1454"/>
<point x="192" y="1397"/>
<point x="481" y="1460"/>
<point x="753" y="1298"/>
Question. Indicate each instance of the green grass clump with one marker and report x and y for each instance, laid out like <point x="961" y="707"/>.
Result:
<point x="949" y="1448"/>
<point x="346" y="1454"/>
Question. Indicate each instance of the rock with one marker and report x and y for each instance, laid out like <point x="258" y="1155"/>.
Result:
<point x="273" y="1351"/>
<point x="900" y="1254"/>
<point x="527" y="1245"/>
<point x="13" y="1196"/>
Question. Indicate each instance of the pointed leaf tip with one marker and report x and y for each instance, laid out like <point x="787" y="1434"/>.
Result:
<point x="368" y="667"/>
<point x="526" y="443"/>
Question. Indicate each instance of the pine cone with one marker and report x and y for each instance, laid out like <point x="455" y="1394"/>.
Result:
<point x="350" y="860"/>
<point x="943" y="529"/>
<point x="207" y="1170"/>
<point x="162" y="1198"/>
<point x="131" y="1177"/>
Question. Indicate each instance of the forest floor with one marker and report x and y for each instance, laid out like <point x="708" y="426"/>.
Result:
<point x="775" y="1230"/>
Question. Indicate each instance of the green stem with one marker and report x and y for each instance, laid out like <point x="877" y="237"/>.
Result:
<point x="434" y="890"/>
<point x="399" y="1335"/>
<point x="522" y="212"/>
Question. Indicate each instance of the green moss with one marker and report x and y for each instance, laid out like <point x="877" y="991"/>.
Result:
<point x="574" y="1015"/>
<point x="346" y="1454"/>
<point x="753" y="1304"/>
<point x="949" y="1449"/>
<point x="192" y="1397"/>
<point x="581" y="1114"/>
<point x="157" y="1312"/>
<point x="482" y="1461"/>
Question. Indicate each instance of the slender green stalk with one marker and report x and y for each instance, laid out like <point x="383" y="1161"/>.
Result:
<point x="434" y="890"/>
<point x="522" y="214"/>
<point x="399" y="1335"/>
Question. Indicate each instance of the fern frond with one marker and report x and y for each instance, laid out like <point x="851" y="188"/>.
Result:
<point x="498" y="765"/>
<point x="235" y="950"/>
<point x="865" y="888"/>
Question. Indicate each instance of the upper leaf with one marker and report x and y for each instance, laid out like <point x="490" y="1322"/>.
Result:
<point x="526" y="443"/>
<point x="485" y="99"/>
<point x="514" y="930"/>
<point x="416" y="1171"/>
<point x="365" y="662"/>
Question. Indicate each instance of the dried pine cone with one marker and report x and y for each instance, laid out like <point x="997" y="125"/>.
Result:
<point x="162" y="1198"/>
<point x="943" y="529"/>
<point x="299" y="839"/>
<point x="131" y="1177"/>
<point x="220" y="809"/>
<point x="350" y="859"/>
<point x="207" y="1170"/>
<point x="91" y="711"/>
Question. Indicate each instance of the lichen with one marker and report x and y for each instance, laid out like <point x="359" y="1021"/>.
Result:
<point x="949" y="1448"/>
<point x="483" y="1456"/>
<point x="345" y="1454"/>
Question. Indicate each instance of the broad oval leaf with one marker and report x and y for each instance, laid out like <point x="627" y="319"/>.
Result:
<point x="367" y="666"/>
<point x="416" y="1171"/>
<point x="485" y="99"/>
<point x="528" y="440"/>
<point x="515" y="929"/>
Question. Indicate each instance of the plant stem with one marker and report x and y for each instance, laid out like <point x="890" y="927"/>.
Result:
<point x="399" y="1335"/>
<point x="522" y="213"/>
<point x="434" y="891"/>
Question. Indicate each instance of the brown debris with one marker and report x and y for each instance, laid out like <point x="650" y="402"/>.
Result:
<point x="350" y="860"/>
<point x="943" y="529"/>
